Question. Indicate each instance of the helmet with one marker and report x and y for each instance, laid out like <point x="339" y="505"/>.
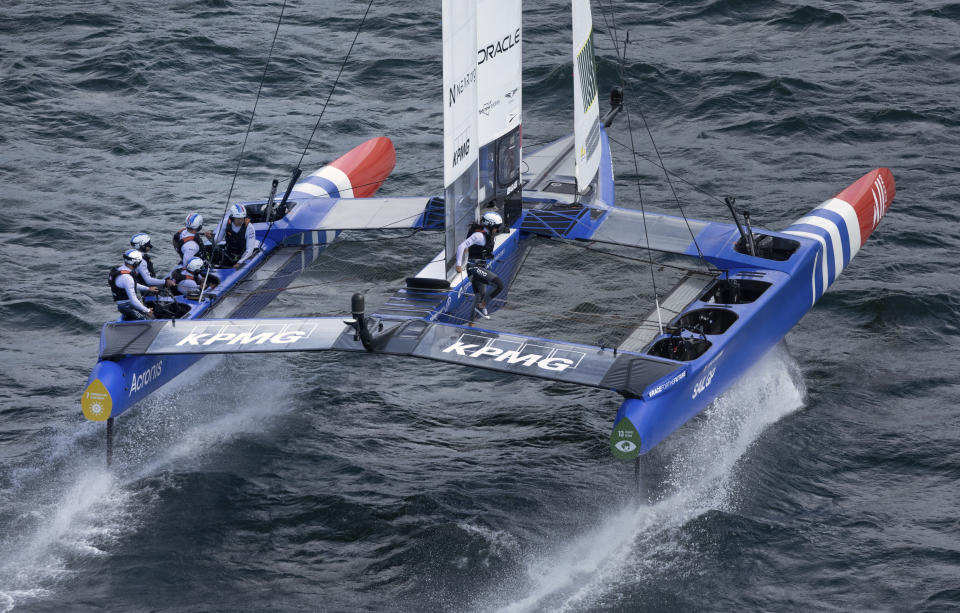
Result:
<point x="196" y="265"/>
<point x="194" y="221"/>
<point x="238" y="211"/>
<point x="491" y="219"/>
<point x="132" y="257"/>
<point x="140" y="241"/>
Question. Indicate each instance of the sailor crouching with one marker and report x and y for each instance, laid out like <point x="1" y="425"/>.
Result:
<point x="236" y="239"/>
<point x="126" y="284"/>
<point x="190" y="278"/>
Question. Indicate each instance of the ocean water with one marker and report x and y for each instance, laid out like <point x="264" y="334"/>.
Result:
<point x="824" y="480"/>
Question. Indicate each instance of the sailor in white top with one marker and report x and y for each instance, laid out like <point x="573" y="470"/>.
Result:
<point x="141" y="242"/>
<point x="474" y="252"/>
<point x="126" y="285"/>
<point x="190" y="277"/>
<point x="237" y="238"/>
<point x="187" y="240"/>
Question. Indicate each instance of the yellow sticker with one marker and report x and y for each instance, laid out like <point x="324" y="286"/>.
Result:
<point x="96" y="402"/>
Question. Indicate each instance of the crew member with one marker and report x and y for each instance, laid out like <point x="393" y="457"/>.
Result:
<point x="477" y="248"/>
<point x="126" y="285"/>
<point x="141" y="242"/>
<point x="187" y="239"/>
<point x="190" y="277"/>
<point x="237" y="238"/>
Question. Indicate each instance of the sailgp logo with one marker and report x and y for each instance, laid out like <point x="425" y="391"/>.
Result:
<point x="510" y="352"/>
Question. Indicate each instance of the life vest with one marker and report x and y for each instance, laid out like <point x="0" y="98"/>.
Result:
<point x="179" y="274"/>
<point x="118" y="292"/>
<point x="481" y="252"/>
<point x="236" y="240"/>
<point x="146" y="258"/>
<point x="179" y="240"/>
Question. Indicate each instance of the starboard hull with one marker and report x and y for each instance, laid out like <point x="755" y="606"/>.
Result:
<point x="826" y="240"/>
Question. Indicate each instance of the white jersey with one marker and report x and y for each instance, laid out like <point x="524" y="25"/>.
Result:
<point x="476" y="238"/>
<point x="144" y="272"/>
<point x="190" y="248"/>
<point x="188" y="285"/>
<point x="126" y="282"/>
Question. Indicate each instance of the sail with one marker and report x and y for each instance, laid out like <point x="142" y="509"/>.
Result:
<point x="460" y="137"/>
<point x="586" y="123"/>
<point x="499" y="89"/>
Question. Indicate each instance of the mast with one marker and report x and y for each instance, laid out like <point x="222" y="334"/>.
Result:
<point x="586" y="109"/>
<point x="460" y="136"/>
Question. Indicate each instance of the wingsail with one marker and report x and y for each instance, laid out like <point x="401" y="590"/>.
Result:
<point x="460" y="126"/>
<point x="500" y="92"/>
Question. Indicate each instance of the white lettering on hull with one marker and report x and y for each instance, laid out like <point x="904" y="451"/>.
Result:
<point x="529" y="355"/>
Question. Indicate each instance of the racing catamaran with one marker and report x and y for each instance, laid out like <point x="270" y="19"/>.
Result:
<point x="749" y="286"/>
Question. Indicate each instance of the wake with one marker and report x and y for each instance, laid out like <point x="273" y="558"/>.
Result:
<point x="67" y="509"/>
<point x="634" y="544"/>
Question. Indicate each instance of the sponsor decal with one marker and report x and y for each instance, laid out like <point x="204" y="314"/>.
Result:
<point x="510" y="352"/>
<point x="461" y="152"/>
<point x="486" y="106"/>
<point x="625" y="440"/>
<point x="242" y="338"/>
<point x="459" y="86"/>
<point x="494" y="49"/>
<point x="239" y="334"/>
<point x="880" y="204"/>
<point x="667" y="384"/>
<point x="96" y="402"/>
<point x="142" y="379"/>
<point x="588" y="73"/>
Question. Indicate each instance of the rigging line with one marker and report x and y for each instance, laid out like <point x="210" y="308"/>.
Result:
<point x="676" y="176"/>
<point x="254" y="112"/>
<point x="615" y="36"/>
<point x="643" y="212"/>
<point x="335" y="82"/>
<point x="653" y="142"/>
<point x="243" y="146"/>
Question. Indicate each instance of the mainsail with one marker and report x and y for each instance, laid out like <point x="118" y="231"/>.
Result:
<point x="460" y="137"/>
<point x="586" y="121"/>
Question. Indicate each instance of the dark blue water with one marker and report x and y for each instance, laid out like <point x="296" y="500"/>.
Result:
<point x="825" y="481"/>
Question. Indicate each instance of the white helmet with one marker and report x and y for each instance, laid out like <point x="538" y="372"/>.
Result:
<point x="195" y="265"/>
<point x="491" y="219"/>
<point x="238" y="211"/>
<point x="194" y="221"/>
<point x="140" y="240"/>
<point x="132" y="257"/>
